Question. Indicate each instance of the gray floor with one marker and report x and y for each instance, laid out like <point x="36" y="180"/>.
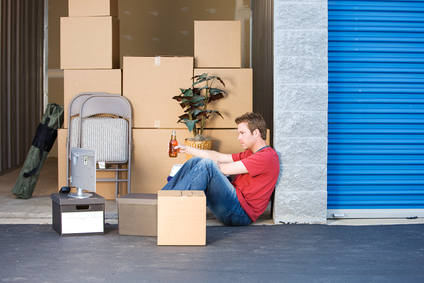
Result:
<point x="267" y="253"/>
<point x="341" y="251"/>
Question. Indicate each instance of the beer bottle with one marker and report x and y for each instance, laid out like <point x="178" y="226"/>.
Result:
<point x="172" y="143"/>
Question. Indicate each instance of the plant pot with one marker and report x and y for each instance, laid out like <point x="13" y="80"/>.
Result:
<point x="198" y="144"/>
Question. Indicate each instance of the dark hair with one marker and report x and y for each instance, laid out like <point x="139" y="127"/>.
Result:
<point x="254" y="121"/>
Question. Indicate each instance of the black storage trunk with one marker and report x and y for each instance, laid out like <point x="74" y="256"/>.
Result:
<point x="73" y="216"/>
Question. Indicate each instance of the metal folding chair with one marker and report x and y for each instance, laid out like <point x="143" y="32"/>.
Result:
<point x="102" y="122"/>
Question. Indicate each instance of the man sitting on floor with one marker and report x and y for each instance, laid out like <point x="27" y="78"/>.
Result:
<point x="257" y="168"/>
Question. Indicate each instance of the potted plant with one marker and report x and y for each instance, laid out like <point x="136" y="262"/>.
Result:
<point x="195" y="101"/>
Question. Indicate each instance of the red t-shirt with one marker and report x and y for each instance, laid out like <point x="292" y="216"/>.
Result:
<point x="254" y="189"/>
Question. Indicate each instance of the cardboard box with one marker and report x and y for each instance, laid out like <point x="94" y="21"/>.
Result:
<point x="149" y="83"/>
<point x="151" y="168"/>
<point x="72" y="216"/>
<point x="137" y="214"/>
<point x="77" y="81"/>
<point x="89" y="43"/>
<point x="90" y="8"/>
<point x="181" y="218"/>
<point x="105" y="189"/>
<point x="217" y="44"/>
<point x="239" y="87"/>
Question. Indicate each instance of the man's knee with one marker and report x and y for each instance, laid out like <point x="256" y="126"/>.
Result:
<point x="194" y="159"/>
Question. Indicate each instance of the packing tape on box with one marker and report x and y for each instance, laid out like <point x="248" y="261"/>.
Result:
<point x="157" y="61"/>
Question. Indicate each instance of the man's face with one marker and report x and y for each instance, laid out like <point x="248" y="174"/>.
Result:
<point x="245" y="137"/>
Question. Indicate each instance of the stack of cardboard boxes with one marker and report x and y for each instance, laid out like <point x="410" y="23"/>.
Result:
<point x="151" y="82"/>
<point x="90" y="58"/>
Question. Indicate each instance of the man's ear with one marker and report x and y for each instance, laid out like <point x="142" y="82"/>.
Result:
<point x="257" y="133"/>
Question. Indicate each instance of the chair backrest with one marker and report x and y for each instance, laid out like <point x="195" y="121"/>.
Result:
<point x="77" y="100"/>
<point x="105" y="104"/>
<point x="105" y="144"/>
<point x="97" y="131"/>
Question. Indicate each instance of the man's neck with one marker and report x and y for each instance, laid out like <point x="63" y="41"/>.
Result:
<point x="260" y="144"/>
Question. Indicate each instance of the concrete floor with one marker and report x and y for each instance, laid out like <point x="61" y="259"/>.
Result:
<point x="357" y="252"/>
<point x="38" y="209"/>
<point x="265" y="253"/>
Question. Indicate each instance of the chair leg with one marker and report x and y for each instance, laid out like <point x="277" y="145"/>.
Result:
<point x="116" y="183"/>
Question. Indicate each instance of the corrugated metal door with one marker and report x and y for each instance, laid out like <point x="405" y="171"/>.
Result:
<point x="376" y="109"/>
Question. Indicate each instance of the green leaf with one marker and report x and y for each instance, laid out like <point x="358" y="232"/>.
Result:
<point x="191" y="124"/>
<point x="216" y="91"/>
<point x="196" y="112"/>
<point x="197" y="99"/>
<point x="217" y="113"/>
<point x="188" y="92"/>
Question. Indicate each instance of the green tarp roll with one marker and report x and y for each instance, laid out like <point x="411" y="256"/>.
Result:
<point x="42" y="143"/>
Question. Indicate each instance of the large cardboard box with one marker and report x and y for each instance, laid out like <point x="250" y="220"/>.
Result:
<point x="151" y="164"/>
<point x="90" y="8"/>
<point x="149" y="83"/>
<point x="89" y="43"/>
<point x="137" y="214"/>
<point x="239" y="87"/>
<point x="77" y="81"/>
<point x="105" y="189"/>
<point x="217" y="44"/>
<point x="181" y="218"/>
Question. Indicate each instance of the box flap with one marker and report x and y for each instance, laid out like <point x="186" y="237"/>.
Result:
<point x="175" y="193"/>
<point x="169" y="193"/>
<point x="136" y="198"/>
<point x="193" y="193"/>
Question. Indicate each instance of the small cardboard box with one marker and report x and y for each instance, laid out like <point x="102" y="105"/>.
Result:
<point x="137" y="214"/>
<point x="89" y="43"/>
<point x="217" y="44"/>
<point x="181" y="218"/>
<point x="239" y="87"/>
<point x="148" y="81"/>
<point x="92" y="8"/>
<point x="78" y="81"/>
<point x="72" y="216"/>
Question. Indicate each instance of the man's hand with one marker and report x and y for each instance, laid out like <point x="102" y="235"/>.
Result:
<point x="181" y="148"/>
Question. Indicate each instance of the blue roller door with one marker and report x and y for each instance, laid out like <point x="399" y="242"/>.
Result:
<point x="376" y="107"/>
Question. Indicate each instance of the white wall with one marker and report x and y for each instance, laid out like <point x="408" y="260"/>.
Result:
<point x="300" y="107"/>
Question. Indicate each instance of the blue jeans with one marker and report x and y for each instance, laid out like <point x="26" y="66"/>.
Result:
<point x="204" y="175"/>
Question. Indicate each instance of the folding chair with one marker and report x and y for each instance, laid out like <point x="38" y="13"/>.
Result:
<point x="102" y="122"/>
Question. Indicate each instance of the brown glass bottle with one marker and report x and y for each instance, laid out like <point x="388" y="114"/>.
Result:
<point x="172" y="143"/>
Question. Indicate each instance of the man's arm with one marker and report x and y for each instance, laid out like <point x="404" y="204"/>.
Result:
<point x="232" y="168"/>
<point x="225" y="162"/>
<point x="211" y="154"/>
